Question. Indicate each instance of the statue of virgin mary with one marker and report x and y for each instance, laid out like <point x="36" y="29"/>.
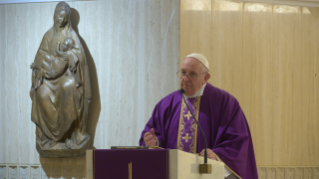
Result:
<point x="61" y="90"/>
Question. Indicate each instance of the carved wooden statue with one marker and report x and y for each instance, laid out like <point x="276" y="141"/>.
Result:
<point x="61" y="90"/>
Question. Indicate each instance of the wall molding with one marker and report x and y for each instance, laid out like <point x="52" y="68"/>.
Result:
<point x="303" y="3"/>
<point x="288" y="172"/>
<point x="31" y="1"/>
<point x="18" y="171"/>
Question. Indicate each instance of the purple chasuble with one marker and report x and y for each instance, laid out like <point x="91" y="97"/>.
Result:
<point x="222" y="121"/>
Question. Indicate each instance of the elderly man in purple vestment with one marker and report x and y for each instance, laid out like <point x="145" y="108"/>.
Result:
<point x="218" y="113"/>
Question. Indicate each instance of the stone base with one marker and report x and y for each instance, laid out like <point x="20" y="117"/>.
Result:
<point x="60" y="150"/>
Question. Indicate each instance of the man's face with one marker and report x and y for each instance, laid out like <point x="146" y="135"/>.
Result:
<point x="61" y="18"/>
<point x="192" y="66"/>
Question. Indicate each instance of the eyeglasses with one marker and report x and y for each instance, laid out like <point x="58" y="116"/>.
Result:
<point x="192" y="76"/>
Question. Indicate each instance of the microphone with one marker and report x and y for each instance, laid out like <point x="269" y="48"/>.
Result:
<point x="203" y="168"/>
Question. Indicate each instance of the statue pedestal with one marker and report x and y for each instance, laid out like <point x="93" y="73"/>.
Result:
<point x="60" y="150"/>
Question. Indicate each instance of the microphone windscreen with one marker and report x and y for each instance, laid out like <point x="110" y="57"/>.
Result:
<point x="182" y="91"/>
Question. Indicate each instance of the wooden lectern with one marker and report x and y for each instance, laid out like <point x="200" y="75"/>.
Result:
<point x="148" y="163"/>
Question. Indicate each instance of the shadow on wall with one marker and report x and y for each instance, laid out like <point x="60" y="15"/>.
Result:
<point x="95" y="105"/>
<point x="76" y="167"/>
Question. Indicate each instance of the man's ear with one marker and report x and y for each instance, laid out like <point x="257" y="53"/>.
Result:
<point x="207" y="76"/>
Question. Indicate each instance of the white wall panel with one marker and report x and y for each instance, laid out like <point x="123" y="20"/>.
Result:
<point x="133" y="55"/>
<point x="2" y="104"/>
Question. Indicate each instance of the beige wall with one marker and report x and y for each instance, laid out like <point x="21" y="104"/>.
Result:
<point x="267" y="56"/>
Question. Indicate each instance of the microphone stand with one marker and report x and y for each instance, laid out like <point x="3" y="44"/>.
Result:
<point x="203" y="168"/>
